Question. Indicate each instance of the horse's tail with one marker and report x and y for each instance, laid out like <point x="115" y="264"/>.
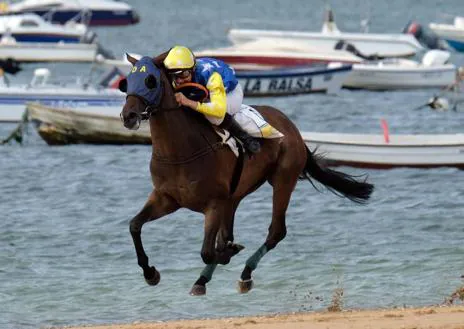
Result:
<point x="337" y="182"/>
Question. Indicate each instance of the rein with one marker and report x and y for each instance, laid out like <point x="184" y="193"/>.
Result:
<point x="195" y="91"/>
<point x="192" y="157"/>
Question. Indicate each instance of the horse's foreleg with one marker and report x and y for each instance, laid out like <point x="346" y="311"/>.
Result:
<point x="277" y="232"/>
<point x="217" y="243"/>
<point x="225" y="237"/>
<point x="157" y="206"/>
<point x="225" y="248"/>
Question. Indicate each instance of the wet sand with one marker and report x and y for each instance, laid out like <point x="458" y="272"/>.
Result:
<point x="433" y="317"/>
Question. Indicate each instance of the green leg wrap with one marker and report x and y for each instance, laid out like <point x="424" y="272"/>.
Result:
<point x="208" y="271"/>
<point x="253" y="261"/>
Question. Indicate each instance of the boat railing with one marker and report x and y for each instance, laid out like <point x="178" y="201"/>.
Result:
<point x="82" y="17"/>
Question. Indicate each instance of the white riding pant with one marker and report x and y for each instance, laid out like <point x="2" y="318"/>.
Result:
<point x="234" y="101"/>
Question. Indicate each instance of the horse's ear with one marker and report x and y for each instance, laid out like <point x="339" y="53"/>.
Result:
<point x="150" y="81"/>
<point x="123" y="85"/>
<point x="131" y="59"/>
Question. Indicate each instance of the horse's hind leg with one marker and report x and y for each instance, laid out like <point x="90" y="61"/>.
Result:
<point x="277" y="229"/>
<point x="157" y="206"/>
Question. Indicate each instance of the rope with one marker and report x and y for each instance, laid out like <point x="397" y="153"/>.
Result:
<point x="440" y="101"/>
<point x="18" y="133"/>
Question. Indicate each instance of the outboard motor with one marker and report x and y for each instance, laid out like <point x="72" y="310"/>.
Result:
<point x="425" y="36"/>
<point x="10" y="66"/>
<point x="343" y="45"/>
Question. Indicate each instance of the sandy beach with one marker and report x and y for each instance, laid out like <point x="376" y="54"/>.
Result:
<point x="433" y="317"/>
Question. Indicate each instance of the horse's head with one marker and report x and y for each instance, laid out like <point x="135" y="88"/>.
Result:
<point x="145" y="86"/>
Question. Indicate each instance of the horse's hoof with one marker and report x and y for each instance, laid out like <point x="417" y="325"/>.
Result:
<point x="152" y="276"/>
<point x="236" y="248"/>
<point x="198" y="290"/>
<point x="245" y="286"/>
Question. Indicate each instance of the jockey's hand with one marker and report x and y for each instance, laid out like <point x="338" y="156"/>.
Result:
<point x="181" y="99"/>
<point x="184" y="101"/>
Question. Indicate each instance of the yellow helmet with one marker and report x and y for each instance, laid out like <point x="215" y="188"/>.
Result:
<point x="179" y="58"/>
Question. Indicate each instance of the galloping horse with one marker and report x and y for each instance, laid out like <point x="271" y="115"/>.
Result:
<point x="192" y="168"/>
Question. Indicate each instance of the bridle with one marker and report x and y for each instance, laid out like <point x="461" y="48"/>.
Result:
<point x="150" y="109"/>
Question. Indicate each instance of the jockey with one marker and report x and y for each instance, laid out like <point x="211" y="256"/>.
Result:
<point x="225" y="93"/>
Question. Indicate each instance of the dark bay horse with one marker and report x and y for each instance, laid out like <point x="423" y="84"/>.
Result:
<point x="192" y="168"/>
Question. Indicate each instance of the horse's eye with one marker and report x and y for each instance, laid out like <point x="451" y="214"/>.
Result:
<point x="123" y="85"/>
<point x="150" y="81"/>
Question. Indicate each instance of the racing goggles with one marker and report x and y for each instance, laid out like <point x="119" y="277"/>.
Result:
<point x="183" y="74"/>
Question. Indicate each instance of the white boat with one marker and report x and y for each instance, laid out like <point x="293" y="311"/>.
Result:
<point x="274" y="82"/>
<point x="88" y="98"/>
<point x="382" y="45"/>
<point x="264" y="54"/>
<point x="89" y="12"/>
<point x="48" y="52"/>
<point x="375" y="151"/>
<point x="59" y="126"/>
<point x="390" y="74"/>
<point x="259" y="55"/>
<point x="293" y="80"/>
<point x="33" y="28"/>
<point x="452" y="33"/>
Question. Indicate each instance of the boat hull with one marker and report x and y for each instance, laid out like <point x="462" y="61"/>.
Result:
<point x="13" y="103"/>
<point x="62" y="126"/>
<point x="384" y="45"/>
<point x="293" y="81"/>
<point x="59" y="126"/>
<point x="98" y="17"/>
<point x="42" y="37"/>
<point x="391" y="78"/>
<point x="49" y="52"/>
<point x="373" y="151"/>
<point x="265" y="55"/>
<point x="453" y="35"/>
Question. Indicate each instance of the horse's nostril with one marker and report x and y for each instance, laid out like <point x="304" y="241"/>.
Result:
<point x="132" y="115"/>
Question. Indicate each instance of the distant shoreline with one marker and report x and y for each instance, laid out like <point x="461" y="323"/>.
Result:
<point x="432" y="317"/>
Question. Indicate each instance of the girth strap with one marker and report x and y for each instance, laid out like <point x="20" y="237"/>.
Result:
<point x="237" y="171"/>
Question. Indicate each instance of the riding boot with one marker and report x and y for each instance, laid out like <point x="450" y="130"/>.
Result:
<point x="250" y="143"/>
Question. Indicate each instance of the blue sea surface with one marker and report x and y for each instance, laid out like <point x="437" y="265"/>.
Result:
<point x="66" y="255"/>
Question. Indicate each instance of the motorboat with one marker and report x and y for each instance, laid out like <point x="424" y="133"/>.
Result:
<point x="381" y="45"/>
<point x="433" y="71"/>
<point x="265" y="54"/>
<point x="30" y="52"/>
<point x="284" y="80"/>
<point x="452" y="33"/>
<point x="33" y="28"/>
<point x="92" y="98"/>
<point x="428" y="38"/>
<point x="89" y="12"/>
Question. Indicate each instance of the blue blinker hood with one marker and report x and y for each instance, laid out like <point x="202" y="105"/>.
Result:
<point x="136" y="81"/>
